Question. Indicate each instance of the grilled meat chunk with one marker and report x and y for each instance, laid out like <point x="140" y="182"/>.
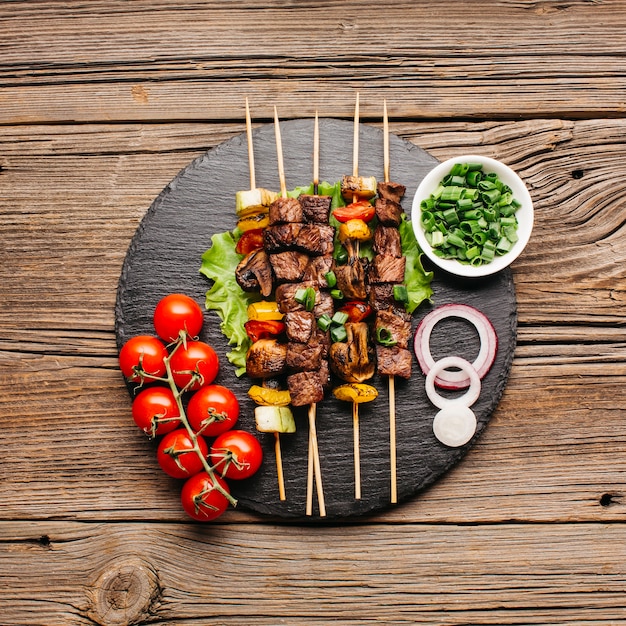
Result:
<point x="254" y="272"/>
<point x="315" y="208"/>
<point x="281" y="237"/>
<point x="353" y="360"/>
<point x="266" y="358"/>
<point x="388" y="212"/>
<point x="391" y="191"/>
<point x="316" y="239"/>
<point x="351" y="279"/>
<point x="288" y="266"/>
<point x="397" y="327"/>
<point x="304" y="357"/>
<point x="387" y="241"/>
<point x="299" y="325"/>
<point x="381" y="298"/>
<point x="394" y="361"/>
<point x="317" y="269"/>
<point x="285" y="296"/>
<point x="323" y="304"/>
<point x="386" y="269"/>
<point x="284" y="210"/>
<point x="305" y="388"/>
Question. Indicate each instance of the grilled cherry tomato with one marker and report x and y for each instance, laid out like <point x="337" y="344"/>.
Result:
<point x="143" y="352"/>
<point x="250" y="240"/>
<point x="155" y="411"/>
<point x="177" y="312"/>
<point x="356" y="310"/>
<point x="176" y="455"/>
<point x="201" y="499"/>
<point x="361" y="210"/>
<point x="236" y="454"/>
<point x="195" y="364"/>
<point x="212" y="410"/>
<point x="263" y="329"/>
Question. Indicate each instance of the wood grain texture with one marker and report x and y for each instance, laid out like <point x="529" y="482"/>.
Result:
<point x="102" y="103"/>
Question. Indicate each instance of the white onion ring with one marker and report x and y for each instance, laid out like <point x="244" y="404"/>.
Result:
<point x="486" y="333"/>
<point x="454" y="425"/>
<point x="468" y="398"/>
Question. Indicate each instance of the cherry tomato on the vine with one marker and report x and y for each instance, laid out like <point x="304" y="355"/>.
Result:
<point x="194" y="362"/>
<point x="143" y="352"/>
<point x="236" y="454"/>
<point x="175" y="313"/>
<point x="361" y="210"/>
<point x="155" y="411"/>
<point x="176" y="454"/>
<point x="212" y="410"/>
<point x="201" y="499"/>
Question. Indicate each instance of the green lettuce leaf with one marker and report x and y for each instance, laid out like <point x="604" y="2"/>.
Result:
<point x="226" y="297"/>
<point x="417" y="280"/>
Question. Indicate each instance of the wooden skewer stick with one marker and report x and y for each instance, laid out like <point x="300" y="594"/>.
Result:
<point x="250" y="150"/>
<point x="316" y="155"/>
<point x="357" y="451"/>
<point x="355" y="157"/>
<point x="279" y="154"/>
<point x="392" y="390"/>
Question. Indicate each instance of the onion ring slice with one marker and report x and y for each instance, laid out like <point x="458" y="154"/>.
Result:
<point x="454" y="426"/>
<point x="486" y="333"/>
<point x="468" y="398"/>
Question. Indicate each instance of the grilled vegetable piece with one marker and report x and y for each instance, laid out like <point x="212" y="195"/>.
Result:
<point x="274" y="419"/>
<point x="265" y="396"/>
<point x="361" y="187"/>
<point x="264" y="310"/>
<point x="253" y="201"/>
<point x="254" y="272"/>
<point x="356" y="393"/>
<point x="356" y="230"/>
<point x="351" y="279"/>
<point x="266" y="358"/>
<point x="353" y="360"/>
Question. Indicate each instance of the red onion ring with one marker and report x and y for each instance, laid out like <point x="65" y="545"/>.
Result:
<point x="486" y="333"/>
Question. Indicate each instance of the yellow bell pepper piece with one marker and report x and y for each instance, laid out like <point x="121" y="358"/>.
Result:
<point x="264" y="396"/>
<point x="354" y="229"/>
<point x="264" y="310"/>
<point x="356" y="393"/>
<point x="258" y="220"/>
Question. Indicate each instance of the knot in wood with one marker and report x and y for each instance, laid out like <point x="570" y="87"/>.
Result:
<point x="125" y="593"/>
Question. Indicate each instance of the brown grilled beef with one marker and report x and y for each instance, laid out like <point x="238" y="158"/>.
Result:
<point x="353" y="360"/>
<point x="266" y="358"/>
<point x="391" y="191"/>
<point x="397" y="327"/>
<point x="305" y="388"/>
<point x="288" y="266"/>
<point x="315" y="208"/>
<point x="299" y="325"/>
<point x="388" y="212"/>
<point x="286" y="296"/>
<point x="323" y="304"/>
<point x="386" y="269"/>
<point x="316" y="239"/>
<point x="387" y="241"/>
<point x="351" y="279"/>
<point x="254" y="272"/>
<point x="284" y="210"/>
<point x="281" y="237"/>
<point x="303" y="357"/>
<point x="317" y="269"/>
<point x="394" y="361"/>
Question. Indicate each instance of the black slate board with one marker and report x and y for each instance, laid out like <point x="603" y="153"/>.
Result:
<point x="165" y="255"/>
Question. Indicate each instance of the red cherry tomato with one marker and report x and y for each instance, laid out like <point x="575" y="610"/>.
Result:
<point x="356" y="310"/>
<point x="201" y="499"/>
<point x="236" y="454"/>
<point x="176" y="454"/>
<point x="361" y="210"/>
<point x="263" y="329"/>
<point x="195" y="364"/>
<point x="250" y="240"/>
<point x="212" y="410"/>
<point x="144" y="353"/>
<point x="175" y="313"/>
<point x="155" y="411"/>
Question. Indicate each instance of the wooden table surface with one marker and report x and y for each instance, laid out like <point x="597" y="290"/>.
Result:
<point x="102" y="104"/>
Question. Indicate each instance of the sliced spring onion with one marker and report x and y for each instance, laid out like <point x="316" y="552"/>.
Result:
<point x="400" y="293"/>
<point x="471" y="215"/>
<point x="331" y="279"/>
<point x="340" y="318"/>
<point x="338" y="333"/>
<point x="324" y="322"/>
<point x="385" y="337"/>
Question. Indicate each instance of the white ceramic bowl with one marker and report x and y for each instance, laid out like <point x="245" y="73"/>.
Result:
<point x="525" y="215"/>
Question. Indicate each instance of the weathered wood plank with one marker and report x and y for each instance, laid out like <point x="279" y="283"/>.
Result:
<point x="183" y="61"/>
<point x="72" y="573"/>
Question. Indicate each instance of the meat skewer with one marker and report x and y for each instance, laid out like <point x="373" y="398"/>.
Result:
<point x="301" y="326"/>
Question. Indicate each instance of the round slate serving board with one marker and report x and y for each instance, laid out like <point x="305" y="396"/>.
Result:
<point x="165" y="256"/>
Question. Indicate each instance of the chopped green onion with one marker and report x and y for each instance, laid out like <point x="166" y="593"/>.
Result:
<point x="331" y="279"/>
<point x="385" y="337"/>
<point x="400" y="293"/>
<point x="306" y="297"/>
<point x="341" y="256"/>
<point x="324" y="322"/>
<point x="338" y="333"/>
<point x="336" y="294"/>
<point x="340" y="318"/>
